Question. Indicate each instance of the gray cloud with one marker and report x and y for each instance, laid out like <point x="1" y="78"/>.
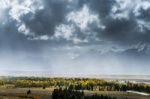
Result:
<point x="104" y="20"/>
<point x="44" y="21"/>
<point x="77" y="30"/>
<point x="103" y="7"/>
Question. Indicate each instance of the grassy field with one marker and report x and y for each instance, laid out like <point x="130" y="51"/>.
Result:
<point x="119" y="95"/>
<point x="35" y="92"/>
<point x="39" y="93"/>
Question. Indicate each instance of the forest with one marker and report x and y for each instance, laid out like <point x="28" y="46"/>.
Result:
<point x="73" y="94"/>
<point x="74" y="84"/>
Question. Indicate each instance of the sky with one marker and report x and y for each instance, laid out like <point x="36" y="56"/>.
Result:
<point x="91" y="37"/>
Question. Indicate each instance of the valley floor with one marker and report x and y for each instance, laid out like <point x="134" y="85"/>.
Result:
<point x="39" y="93"/>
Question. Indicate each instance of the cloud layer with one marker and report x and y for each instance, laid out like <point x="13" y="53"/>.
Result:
<point x="79" y="21"/>
<point x="79" y="28"/>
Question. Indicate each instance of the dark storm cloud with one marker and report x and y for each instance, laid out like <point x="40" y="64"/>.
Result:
<point x="103" y="7"/>
<point x="44" y="21"/>
<point x="123" y="26"/>
<point x="144" y="14"/>
<point x="120" y="30"/>
<point x="12" y="41"/>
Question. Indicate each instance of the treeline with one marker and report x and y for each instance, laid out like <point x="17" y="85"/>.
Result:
<point x="72" y="94"/>
<point x="78" y="84"/>
<point x="32" y="83"/>
<point x="1" y="82"/>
